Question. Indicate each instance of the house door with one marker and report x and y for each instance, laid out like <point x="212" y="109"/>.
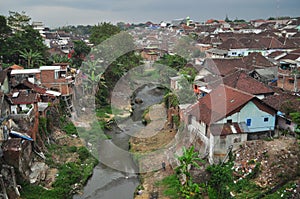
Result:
<point x="248" y="122"/>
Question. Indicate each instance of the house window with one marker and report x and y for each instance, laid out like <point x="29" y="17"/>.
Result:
<point x="237" y="140"/>
<point x="291" y="81"/>
<point x="266" y="119"/>
<point x="248" y="122"/>
<point x="56" y="74"/>
<point x="229" y="121"/>
<point x="288" y="122"/>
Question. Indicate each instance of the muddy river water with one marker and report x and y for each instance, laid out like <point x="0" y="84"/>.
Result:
<point x="116" y="176"/>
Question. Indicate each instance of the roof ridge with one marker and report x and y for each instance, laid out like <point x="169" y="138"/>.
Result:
<point x="238" y="90"/>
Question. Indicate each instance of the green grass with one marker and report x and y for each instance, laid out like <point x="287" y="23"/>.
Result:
<point x="172" y="185"/>
<point x="283" y="192"/>
<point x="245" y="189"/>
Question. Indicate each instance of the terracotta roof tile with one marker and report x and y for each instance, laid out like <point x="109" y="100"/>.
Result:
<point x="291" y="56"/>
<point x="16" y="67"/>
<point x="225" y="129"/>
<point x="223" y="67"/>
<point x="34" y="87"/>
<point x="257" y="60"/>
<point x="251" y="43"/>
<point x="283" y="101"/>
<point x="275" y="54"/>
<point x="231" y="43"/>
<point x="221" y="102"/>
<point x="23" y="98"/>
<point x="270" y="43"/>
<point x="241" y="81"/>
<point x="297" y="51"/>
<point x="293" y="42"/>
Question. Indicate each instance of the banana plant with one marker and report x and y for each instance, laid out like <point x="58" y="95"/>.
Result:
<point x="31" y="57"/>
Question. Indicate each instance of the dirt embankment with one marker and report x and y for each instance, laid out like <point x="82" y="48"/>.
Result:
<point x="278" y="162"/>
<point x="147" y="145"/>
<point x="60" y="155"/>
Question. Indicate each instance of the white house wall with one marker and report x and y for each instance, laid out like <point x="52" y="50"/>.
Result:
<point x="199" y="130"/>
<point x="236" y="52"/>
<point x="251" y="111"/>
<point x="221" y="146"/>
<point x="201" y="127"/>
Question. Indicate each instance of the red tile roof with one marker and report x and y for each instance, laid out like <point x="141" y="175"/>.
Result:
<point x="34" y="87"/>
<point x="231" y="43"/>
<point x="270" y="43"/>
<point x="291" y="56"/>
<point x="220" y="103"/>
<point x="251" y="43"/>
<point x="283" y="101"/>
<point x="297" y="51"/>
<point x="241" y="81"/>
<point x="224" y="67"/>
<point x="257" y="60"/>
<point x="23" y="98"/>
<point x="225" y="129"/>
<point x="275" y="54"/>
<point x="16" y="67"/>
<point x="293" y="42"/>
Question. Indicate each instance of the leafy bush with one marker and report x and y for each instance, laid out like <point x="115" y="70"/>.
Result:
<point x="83" y="153"/>
<point x="220" y="179"/>
<point x="72" y="149"/>
<point x="70" y="129"/>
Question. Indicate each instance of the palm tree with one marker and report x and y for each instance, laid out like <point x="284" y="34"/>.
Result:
<point x="93" y="71"/>
<point x="31" y="57"/>
<point x="56" y="58"/>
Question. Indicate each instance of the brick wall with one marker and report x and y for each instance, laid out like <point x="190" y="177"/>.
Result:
<point x="60" y="84"/>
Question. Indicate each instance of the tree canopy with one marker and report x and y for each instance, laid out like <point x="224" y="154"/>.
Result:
<point x="81" y="50"/>
<point x="17" y="38"/>
<point x="103" y="31"/>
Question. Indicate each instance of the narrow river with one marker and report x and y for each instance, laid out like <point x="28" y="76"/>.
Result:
<point x="109" y="183"/>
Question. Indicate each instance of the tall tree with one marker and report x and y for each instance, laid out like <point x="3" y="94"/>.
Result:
<point x="18" y="21"/>
<point x="81" y="50"/>
<point x="4" y="28"/>
<point x="113" y="57"/>
<point x="5" y="32"/>
<point x="174" y="61"/>
<point x="103" y="31"/>
<point x="25" y="39"/>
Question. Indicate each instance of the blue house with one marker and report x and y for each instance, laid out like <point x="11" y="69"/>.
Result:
<point x="227" y="117"/>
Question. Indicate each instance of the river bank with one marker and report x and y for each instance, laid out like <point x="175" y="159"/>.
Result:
<point x="68" y="167"/>
<point x="147" y="146"/>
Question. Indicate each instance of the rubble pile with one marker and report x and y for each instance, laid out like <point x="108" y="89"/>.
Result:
<point x="268" y="162"/>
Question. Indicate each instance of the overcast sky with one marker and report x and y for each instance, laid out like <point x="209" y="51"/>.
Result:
<point x="56" y="13"/>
